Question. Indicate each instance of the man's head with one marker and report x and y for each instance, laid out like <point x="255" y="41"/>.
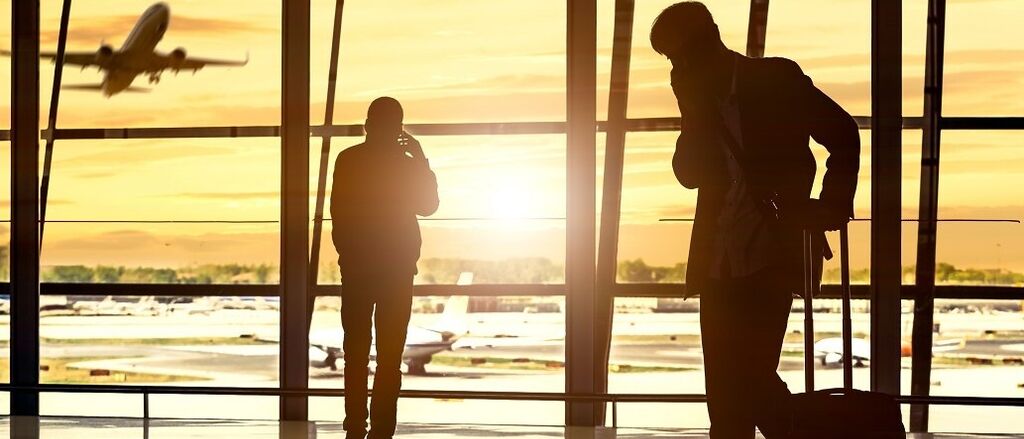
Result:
<point x="686" y="34"/>
<point x="384" y="119"/>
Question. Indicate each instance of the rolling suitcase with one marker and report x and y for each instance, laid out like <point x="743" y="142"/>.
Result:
<point x="842" y="412"/>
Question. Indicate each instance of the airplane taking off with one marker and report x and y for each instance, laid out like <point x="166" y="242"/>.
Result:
<point x="136" y="56"/>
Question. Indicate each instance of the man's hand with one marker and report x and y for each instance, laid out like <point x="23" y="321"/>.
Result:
<point x="409" y="144"/>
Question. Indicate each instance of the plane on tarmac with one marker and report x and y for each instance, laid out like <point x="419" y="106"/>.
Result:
<point x="136" y="56"/>
<point x="421" y="343"/>
<point x="829" y="351"/>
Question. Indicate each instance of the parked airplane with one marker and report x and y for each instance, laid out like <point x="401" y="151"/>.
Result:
<point x="136" y="56"/>
<point x="421" y="343"/>
<point x="830" y="350"/>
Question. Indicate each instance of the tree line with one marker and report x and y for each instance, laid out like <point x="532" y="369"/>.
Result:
<point x="447" y="271"/>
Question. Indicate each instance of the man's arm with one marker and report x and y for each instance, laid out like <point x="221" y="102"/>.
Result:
<point x="424" y="182"/>
<point x="337" y="206"/>
<point x="835" y="129"/>
<point x="692" y="161"/>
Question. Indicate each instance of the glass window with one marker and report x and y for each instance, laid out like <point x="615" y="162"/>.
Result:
<point x="210" y="30"/>
<point x="831" y="42"/>
<point x="160" y="253"/>
<point x="503" y="343"/>
<point x="159" y="340"/>
<point x="981" y="178"/>
<point x="501" y="213"/>
<point x="445" y="61"/>
<point x="984" y="71"/>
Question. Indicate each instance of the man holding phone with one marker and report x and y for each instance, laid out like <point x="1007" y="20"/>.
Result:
<point x="380" y="186"/>
<point x="746" y="126"/>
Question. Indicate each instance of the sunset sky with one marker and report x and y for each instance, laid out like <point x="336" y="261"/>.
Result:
<point x="485" y="61"/>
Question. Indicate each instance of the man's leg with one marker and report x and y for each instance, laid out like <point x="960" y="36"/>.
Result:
<point x="768" y="314"/>
<point x="394" y="305"/>
<point x="356" y="320"/>
<point x="723" y="339"/>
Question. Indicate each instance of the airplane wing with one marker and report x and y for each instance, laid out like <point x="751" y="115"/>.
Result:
<point x="179" y="61"/>
<point x="99" y="87"/>
<point x="81" y="59"/>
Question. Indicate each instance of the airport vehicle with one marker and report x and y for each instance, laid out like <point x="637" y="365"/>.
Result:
<point x="137" y="56"/>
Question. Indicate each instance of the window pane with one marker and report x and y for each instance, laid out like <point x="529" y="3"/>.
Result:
<point x="834" y="48"/>
<point x="224" y="179"/>
<point x="479" y="66"/>
<point x="981" y="177"/>
<point x="656" y="209"/>
<point x="501" y="214"/>
<point x="216" y="95"/>
<point x="650" y="94"/>
<point x="984" y="69"/>
<point x="505" y="343"/>
<point x="159" y="340"/>
<point x="160" y="253"/>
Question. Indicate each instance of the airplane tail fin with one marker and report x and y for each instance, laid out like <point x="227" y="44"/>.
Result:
<point x="453" y="318"/>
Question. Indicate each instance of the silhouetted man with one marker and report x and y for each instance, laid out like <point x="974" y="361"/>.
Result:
<point x="380" y="186"/>
<point x="744" y="146"/>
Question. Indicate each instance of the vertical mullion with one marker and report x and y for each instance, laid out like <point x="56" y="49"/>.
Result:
<point x="325" y="152"/>
<point x="294" y="346"/>
<point x="927" y="227"/>
<point x="757" y="28"/>
<point x="58" y="74"/>
<point x="611" y="197"/>
<point x="24" y="258"/>
<point x="886" y="170"/>
<point x="581" y="207"/>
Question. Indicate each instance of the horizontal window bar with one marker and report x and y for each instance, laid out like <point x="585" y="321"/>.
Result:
<point x="522" y="396"/>
<point x="858" y="291"/>
<point x="667" y="290"/>
<point x="481" y="128"/>
<point x="273" y="290"/>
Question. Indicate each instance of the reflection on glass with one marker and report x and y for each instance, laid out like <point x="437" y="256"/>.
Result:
<point x="158" y="340"/>
<point x="508" y="343"/>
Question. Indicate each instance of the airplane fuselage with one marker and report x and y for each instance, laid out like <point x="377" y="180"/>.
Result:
<point x="128" y="62"/>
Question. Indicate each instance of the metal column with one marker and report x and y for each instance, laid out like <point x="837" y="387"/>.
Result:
<point x="325" y="152"/>
<point x="886" y="126"/>
<point x="294" y="374"/>
<point x="924" y="302"/>
<point x="58" y="74"/>
<point x="611" y="197"/>
<point x="25" y="207"/>
<point x="757" y="28"/>
<point x="581" y="211"/>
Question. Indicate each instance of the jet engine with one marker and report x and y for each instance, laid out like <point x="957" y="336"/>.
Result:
<point x="177" y="58"/>
<point x="104" y="54"/>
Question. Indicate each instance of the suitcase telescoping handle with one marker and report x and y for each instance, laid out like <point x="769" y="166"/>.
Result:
<point x="812" y="285"/>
